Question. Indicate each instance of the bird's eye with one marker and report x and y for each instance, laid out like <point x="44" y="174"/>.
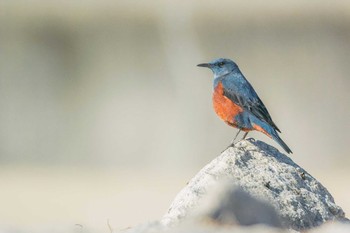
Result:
<point x="221" y="64"/>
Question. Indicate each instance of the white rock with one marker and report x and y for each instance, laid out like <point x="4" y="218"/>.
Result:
<point x="268" y="175"/>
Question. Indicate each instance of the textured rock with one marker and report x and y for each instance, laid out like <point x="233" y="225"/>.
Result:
<point x="266" y="174"/>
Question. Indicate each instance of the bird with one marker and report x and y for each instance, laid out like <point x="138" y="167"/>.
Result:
<point x="237" y="104"/>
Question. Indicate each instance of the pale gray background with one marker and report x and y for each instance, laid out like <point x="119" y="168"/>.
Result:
<point x="104" y="114"/>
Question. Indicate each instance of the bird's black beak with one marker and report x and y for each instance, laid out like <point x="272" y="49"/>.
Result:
<point x="204" y="65"/>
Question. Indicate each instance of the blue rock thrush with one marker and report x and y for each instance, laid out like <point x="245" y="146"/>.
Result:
<point x="236" y="102"/>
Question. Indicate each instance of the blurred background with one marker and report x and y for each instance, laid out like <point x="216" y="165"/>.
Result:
<point x="105" y="116"/>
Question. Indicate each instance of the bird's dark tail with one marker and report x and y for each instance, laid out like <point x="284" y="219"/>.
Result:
<point x="271" y="132"/>
<point x="277" y="138"/>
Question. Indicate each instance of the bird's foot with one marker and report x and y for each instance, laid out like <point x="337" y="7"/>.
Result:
<point x="232" y="144"/>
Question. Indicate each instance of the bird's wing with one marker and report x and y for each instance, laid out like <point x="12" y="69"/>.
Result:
<point x="242" y="93"/>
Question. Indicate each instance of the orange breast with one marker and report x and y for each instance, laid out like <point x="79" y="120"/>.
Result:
<point x="224" y="107"/>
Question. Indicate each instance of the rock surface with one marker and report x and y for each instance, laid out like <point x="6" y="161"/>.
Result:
<point x="266" y="174"/>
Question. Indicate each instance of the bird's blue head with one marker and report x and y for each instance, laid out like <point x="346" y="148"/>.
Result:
<point x="221" y="66"/>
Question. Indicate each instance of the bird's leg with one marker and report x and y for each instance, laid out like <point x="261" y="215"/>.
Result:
<point x="245" y="135"/>
<point x="232" y="144"/>
<point x="233" y="141"/>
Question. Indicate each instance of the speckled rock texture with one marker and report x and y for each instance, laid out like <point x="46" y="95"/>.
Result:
<point x="266" y="174"/>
